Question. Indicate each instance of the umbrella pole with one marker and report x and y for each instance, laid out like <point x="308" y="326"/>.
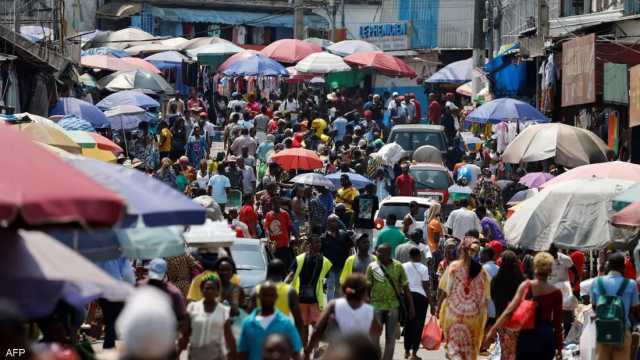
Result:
<point x="124" y="135"/>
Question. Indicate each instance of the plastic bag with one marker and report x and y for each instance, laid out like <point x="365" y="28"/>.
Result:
<point x="588" y="337"/>
<point x="431" y="334"/>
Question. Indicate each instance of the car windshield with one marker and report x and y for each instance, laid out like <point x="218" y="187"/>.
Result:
<point x="431" y="179"/>
<point x="410" y="141"/>
<point x="247" y="257"/>
<point x="400" y="211"/>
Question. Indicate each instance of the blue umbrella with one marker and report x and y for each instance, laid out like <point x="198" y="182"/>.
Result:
<point x="167" y="59"/>
<point x="81" y="109"/>
<point x="458" y="72"/>
<point x="145" y="196"/>
<point x="118" y="53"/>
<point x="505" y="109"/>
<point x="72" y="122"/>
<point x="357" y="180"/>
<point x="256" y="65"/>
<point x="128" y="97"/>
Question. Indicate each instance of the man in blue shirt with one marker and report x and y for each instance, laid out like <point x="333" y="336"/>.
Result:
<point x="263" y="322"/>
<point x="612" y="282"/>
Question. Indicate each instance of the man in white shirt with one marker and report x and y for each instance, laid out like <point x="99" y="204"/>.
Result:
<point x="290" y="104"/>
<point x="248" y="177"/>
<point x="462" y="220"/>
<point x="244" y="140"/>
<point x="219" y="186"/>
<point x="236" y="102"/>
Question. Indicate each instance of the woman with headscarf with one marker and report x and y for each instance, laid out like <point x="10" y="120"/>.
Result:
<point x="464" y="293"/>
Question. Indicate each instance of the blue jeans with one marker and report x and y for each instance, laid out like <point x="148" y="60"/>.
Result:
<point x="333" y="284"/>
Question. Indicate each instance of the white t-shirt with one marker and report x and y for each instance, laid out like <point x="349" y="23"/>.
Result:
<point x="560" y="269"/>
<point x="462" y="220"/>
<point x="265" y="320"/>
<point x="219" y="185"/>
<point x="416" y="274"/>
<point x="203" y="180"/>
<point x="207" y="327"/>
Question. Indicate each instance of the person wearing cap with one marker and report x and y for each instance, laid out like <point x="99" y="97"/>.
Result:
<point x="398" y="113"/>
<point x="435" y="110"/>
<point x="393" y="103"/>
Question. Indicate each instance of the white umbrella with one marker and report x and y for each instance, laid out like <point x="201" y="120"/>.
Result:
<point x="149" y="49"/>
<point x="323" y="43"/>
<point x="202" y="41"/>
<point x="215" y="49"/>
<point x="348" y="47"/>
<point x="124" y="38"/>
<point x="571" y="146"/>
<point x="573" y="214"/>
<point x="173" y="42"/>
<point x="313" y="179"/>
<point x="145" y="81"/>
<point x="322" y="63"/>
<point x="127" y="116"/>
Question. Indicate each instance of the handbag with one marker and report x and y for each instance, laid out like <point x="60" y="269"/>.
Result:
<point x="431" y="334"/>
<point x="524" y="317"/>
<point x="403" y="314"/>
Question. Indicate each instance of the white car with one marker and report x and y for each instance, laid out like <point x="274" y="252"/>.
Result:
<point x="399" y="206"/>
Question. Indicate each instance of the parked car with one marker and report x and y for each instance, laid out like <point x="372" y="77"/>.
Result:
<point x="399" y="206"/>
<point x="432" y="181"/>
<point x="412" y="136"/>
<point x="252" y="258"/>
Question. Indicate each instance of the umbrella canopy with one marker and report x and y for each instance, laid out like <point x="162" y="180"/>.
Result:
<point x="235" y="57"/>
<point x="138" y="79"/>
<point x="82" y="138"/>
<point x="145" y="196"/>
<point x="167" y="59"/>
<point x="455" y="73"/>
<point x="27" y="117"/>
<point x="141" y="64"/>
<point x="88" y="80"/>
<point x="256" y="65"/>
<point x="118" y="53"/>
<point x="569" y="145"/>
<point x="297" y="159"/>
<point x="72" y="122"/>
<point x="127" y="116"/>
<point x="313" y="179"/>
<point x="535" y="179"/>
<point x="522" y="195"/>
<point x="627" y="197"/>
<point x="99" y="154"/>
<point x="68" y="196"/>
<point x="381" y="62"/>
<point x="125" y="38"/>
<point x="629" y="216"/>
<point x="105" y="62"/>
<point x="222" y="48"/>
<point x="357" y="180"/>
<point x="150" y="48"/>
<point x="574" y="214"/>
<point x="82" y="109"/>
<point x="505" y="109"/>
<point x="49" y="135"/>
<point x="202" y="41"/>
<point x="350" y="47"/>
<point x="105" y="144"/>
<point x="322" y="63"/>
<point x="290" y="51"/>
<point x="466" y="89"/>
<point x="128" y="97"/>
<point x="295" y="75"/>
<point x="39" y="271"/>
<point x="176" y="42"/>
<point x="620" y="170"/>
<point x="322" y="43"/>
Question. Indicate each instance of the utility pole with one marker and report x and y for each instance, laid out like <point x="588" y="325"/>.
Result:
<point x="333" y="7"/>
<point x="342" y="16"/>
<point x="478" y="43"/>
<point x="298" y="19"/>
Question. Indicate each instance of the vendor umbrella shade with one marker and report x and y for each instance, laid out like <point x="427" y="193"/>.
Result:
<point x="574" y="214"/>
<point x="458" y="72"/>
<point x="150" y="48"/>
<point x="68" y="197"/>
<point x="127" y="117"/>
<point x="522" y="195"/>
<point x="167" y="59"/>
<point x="141" y="64"/>
<point x="145" y="196"/>
<point x="569" y="145"/>
<point x="313" y="179"/>
<point x="297" y="159"/>
<point x="256" y="65"/>
<point x="296" y="76"/>
<point x="128" y="97"/>
<point x="72" y="122"/>
<point x="357" y="180"/>
<point x="176" y="42"/>
<point x="138" y="79"/>
<point x="82" y="138"/>
<point x="37" y="272"/>
<point x="350" y="47"/>
<point x="82" y="109"/>
<point x="505" y="109"/>
<point x="619" y="170"/>
<point x="236" y="57"/>
<point x="629" y="216"/>
<point x="224" y="48"/>
<point x="381" y="62"/>
<point x="105" y="62"/>
<point x="98" y="154"/>
<point x="105" y="144"/>
<point x="124" y="38"/>
<point x="289" y="51"/>
<point x="202" y="41"/>
<point x="49" y="135"/>
<point x="117" y="53"/>
<point x="322" y="63"/>
<point x="631" y="195"/>
<point x="322" y="43"/>
<point x="535" y="179"/>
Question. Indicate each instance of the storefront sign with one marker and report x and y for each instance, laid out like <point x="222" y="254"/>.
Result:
<point x="579" y="71"/>
<point x="616" y="83"/>
<point x="387" y="36"/>
<point x="634" y="96"/>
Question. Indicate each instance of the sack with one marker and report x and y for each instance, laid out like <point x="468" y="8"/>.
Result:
<point x="431" y="334"/>
<point x="524" y="317"/>
<point x="610" y="315"/>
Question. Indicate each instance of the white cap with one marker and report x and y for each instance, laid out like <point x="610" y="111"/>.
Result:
<point x="395" y="93"/>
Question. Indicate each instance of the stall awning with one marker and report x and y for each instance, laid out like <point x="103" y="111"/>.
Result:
<point x="233" y="17"/>
<point x="118" y="10"/>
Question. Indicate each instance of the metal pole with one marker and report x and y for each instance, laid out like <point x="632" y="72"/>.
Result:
<point x="298" y="20"/>
<point x="342" y="14"/>
<point x="478" y="43"/>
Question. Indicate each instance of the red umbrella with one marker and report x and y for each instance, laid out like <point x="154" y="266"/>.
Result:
<point x="38" y="188"/>
<point x="384" y="63"/>
<point x="105" y="62"/>
<point x="629" y="216"/>
<point x="105" y="144"/>
<point x="297" y="159"/>
<point x="290" y="51"/>
<point x="141" y="64"/>
<point x="235" y="57"/>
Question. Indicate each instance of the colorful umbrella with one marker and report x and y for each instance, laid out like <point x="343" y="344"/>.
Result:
<point x="350" y="47"/>
<point x="38" y="272"/>
<point x="128" y="97"/>
<point x="629" y="216"/>
<point x="313" y="179"/>
<point x="99" y="154"/>
<point x="106" y="144"/>
<point x="145" y="196"/>
<point x="81" y="109"/>
<point x="106" y="62"/>
<point x="72" y="122"/>
<point x="619" y="170"/>
<point x="322" y="63"/>
<point x="141" y="64"/>
<point x="68" y="197"/>
<point x="145" y="81"/>
<point x="535" y="179"/>
<point x="290" y="51"/>
<point x="118" y="53"/>
<point x="381" y="62"/>
<point x="631" y="195"/>
<point x="455" y="73"/>
<point x="256" y="65"/>
<point x="127" y="116"/>
<point x="505" y="109"/>
<point x="82" y="138"/>
<point x="235" y="57"/>
<point x="49" y="135"/>
<point x="357" y="180"/>
<point x="167" y="59"/>
<point x="297" y="159"/>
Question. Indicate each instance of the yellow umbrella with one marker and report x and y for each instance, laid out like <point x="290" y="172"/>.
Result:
<point x="49" y="135"/>
<point x="98" y="154"/>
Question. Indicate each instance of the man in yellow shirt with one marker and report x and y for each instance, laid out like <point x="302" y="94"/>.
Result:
<point x="166" y="140"/>
<point x="347" y="193"/>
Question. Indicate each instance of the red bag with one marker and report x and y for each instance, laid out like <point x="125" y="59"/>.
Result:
<point x="524" y="317"/>
<point x="431" y="334"/>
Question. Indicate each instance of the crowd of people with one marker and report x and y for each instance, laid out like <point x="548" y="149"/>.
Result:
<point x="336" y="276"/>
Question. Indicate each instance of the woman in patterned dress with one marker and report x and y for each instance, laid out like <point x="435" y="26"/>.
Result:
<point x="464" y="293"/>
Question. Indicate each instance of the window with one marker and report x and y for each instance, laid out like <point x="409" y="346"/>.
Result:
<point x="400" y="211"/>
<point x="431" y="179"/>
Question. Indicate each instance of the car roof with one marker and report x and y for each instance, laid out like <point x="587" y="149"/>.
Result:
<point x="428" y="166"/>
<point x="417" y="127"/>
<point x="407" y="200"/>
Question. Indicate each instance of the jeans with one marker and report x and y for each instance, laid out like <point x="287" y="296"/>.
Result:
<point x="110" y="312"/>
<point x="413" y="330"/>
<point x="389" y="321"/>
<point x="333" y="284"/>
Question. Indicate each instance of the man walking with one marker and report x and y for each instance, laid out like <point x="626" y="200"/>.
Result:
<point x="336" y="246"/>
<point x="390" y="235"/>
<point x="278" y="225"/>
<point x="462" y="220"/>
<point x="364" y="210"/>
